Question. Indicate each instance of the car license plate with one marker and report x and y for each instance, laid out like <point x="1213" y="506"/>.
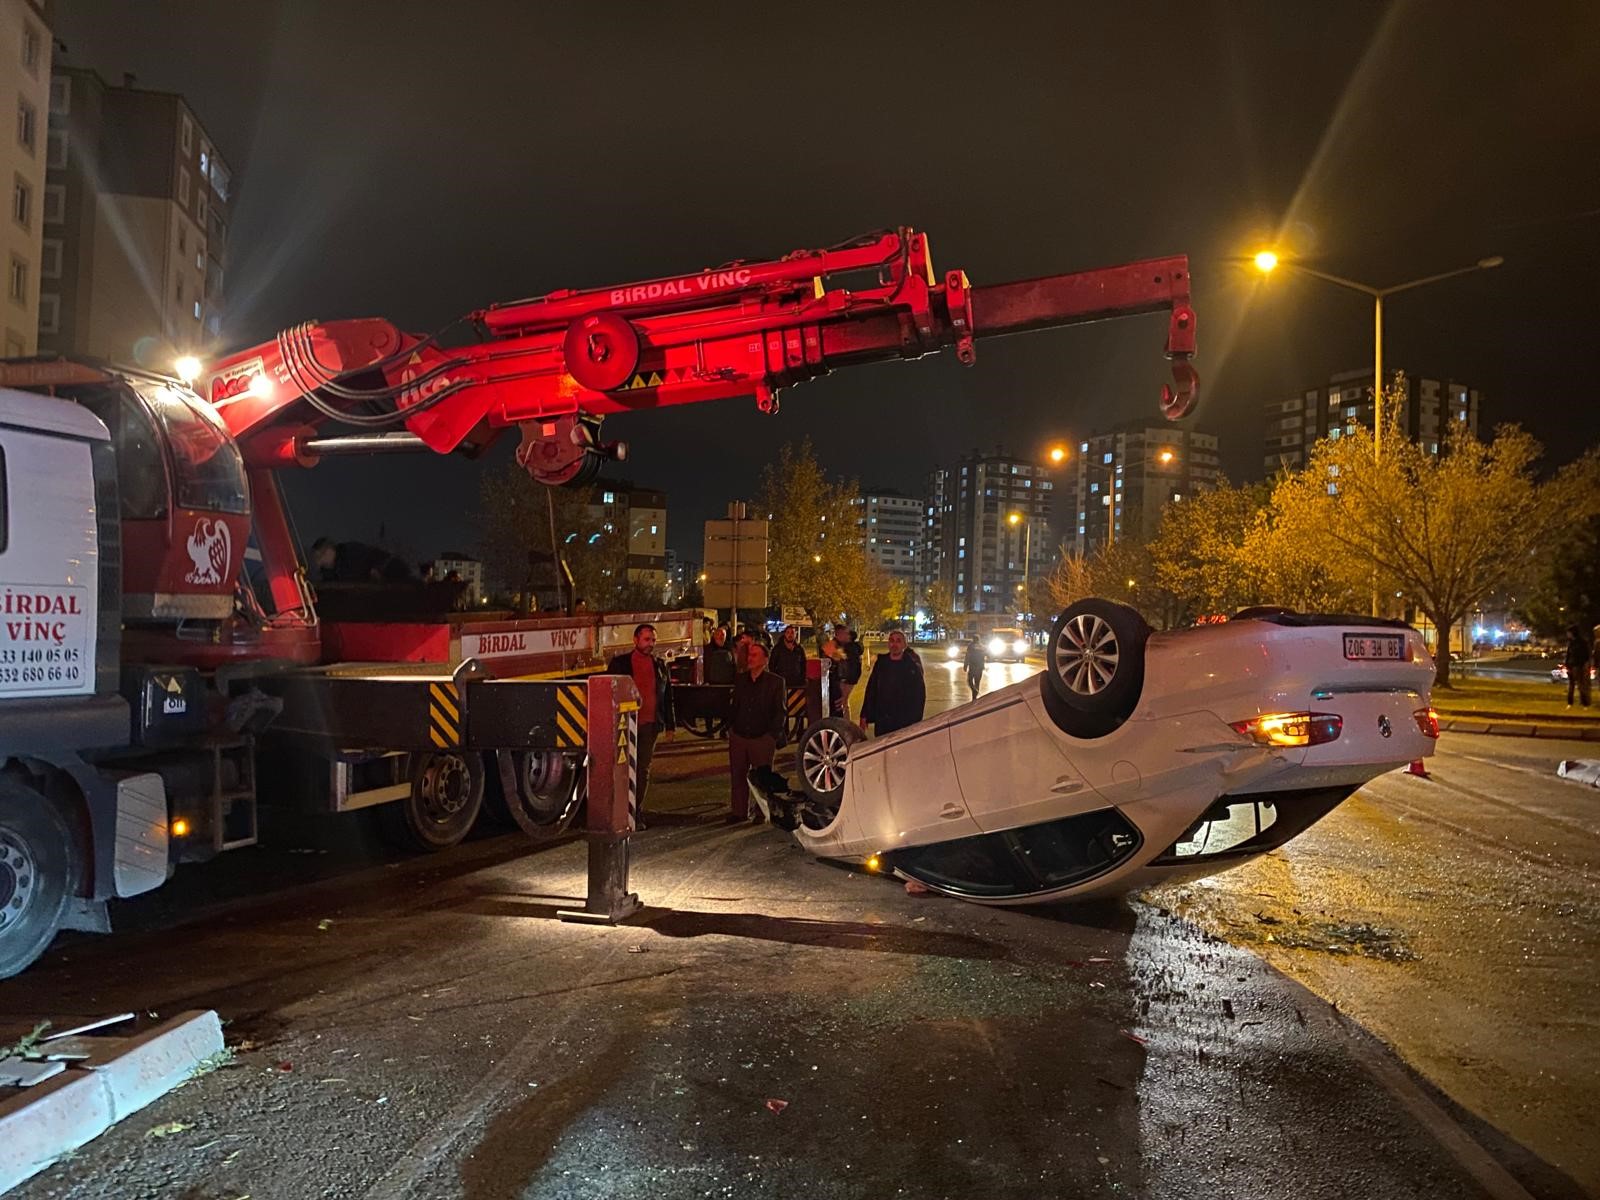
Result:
<point x="1384" y="646"/>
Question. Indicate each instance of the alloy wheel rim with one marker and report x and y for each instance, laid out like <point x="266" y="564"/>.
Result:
<point x="1087" y="654"/>
<point x="824" y="760"/>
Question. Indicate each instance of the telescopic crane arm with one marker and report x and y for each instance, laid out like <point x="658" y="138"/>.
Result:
<point x="556" y="365"/>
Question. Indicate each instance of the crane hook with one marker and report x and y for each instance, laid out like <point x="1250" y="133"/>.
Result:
<point x="1178" y="403"/>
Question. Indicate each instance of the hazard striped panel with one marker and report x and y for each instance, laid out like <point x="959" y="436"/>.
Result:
<point x="444" y="715"/>
<point x="797" y="702"/>
<point x="572" y="715"/>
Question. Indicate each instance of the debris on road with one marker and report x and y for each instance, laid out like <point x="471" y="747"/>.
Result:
<point x="1580" y="770"/>
<point x="167" y="1129"/>
<point x="913" y="888"/>
<point x="777" y="1106"/>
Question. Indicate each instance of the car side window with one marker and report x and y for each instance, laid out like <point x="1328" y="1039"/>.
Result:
<point x="1020" y="862"/>
<point x="973" y="866"/>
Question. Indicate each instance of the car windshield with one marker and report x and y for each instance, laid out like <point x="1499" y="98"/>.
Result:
<point x="209" y="470"/>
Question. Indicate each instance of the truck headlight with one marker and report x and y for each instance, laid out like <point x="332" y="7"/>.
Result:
<point x="1019" y="647"/>
<point x="996" y="647"/>
<point x="952" y="651"/>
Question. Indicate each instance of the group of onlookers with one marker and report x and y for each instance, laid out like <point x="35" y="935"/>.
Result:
<point x="761" y="676"/>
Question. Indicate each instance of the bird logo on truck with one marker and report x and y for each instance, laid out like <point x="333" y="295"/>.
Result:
<point x="211" y="550"/>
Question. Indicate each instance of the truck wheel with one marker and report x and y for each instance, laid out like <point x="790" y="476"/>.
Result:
<point x="1096" y="658"/>
<point x="446" y="796"/>
<point x="821" y="753"/>
<point x="550" y="791"/>
<point x="39" y="873"/>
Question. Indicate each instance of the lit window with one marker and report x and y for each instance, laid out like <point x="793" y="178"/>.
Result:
<point x="608" y="498"/>
<point x="197" y="310"/>
<point x="652" y="531"/>
<point x="1107" y="457"/>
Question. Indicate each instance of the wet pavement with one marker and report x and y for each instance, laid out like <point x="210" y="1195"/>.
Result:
<point x="772" y="1026"/>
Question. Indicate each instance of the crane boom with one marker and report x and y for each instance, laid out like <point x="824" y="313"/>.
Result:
<point x="554" y="366"/>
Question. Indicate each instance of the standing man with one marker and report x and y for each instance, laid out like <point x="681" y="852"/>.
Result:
<point x="1580" y="653"/>
<point x="976" y="660"/>
<point x="896" y="693"/>
<point x="719" y="666"/>
<point x="789" y="658"/>
<point x="649" y="675"/>
<point x="755" y="727"/>
<point x="850" y="664"/>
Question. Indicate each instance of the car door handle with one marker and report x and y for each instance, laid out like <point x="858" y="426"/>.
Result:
<point x="952" y="810"/>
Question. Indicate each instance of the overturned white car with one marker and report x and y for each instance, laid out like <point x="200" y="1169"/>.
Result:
<point x="1134" y="758"/>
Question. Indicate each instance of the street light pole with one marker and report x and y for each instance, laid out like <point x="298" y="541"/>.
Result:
<point x="1267" y="261"/>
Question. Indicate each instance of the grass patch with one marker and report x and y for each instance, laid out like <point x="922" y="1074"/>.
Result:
<point x="1510" y="697"/>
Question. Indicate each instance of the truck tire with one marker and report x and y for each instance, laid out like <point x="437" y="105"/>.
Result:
<point x="551" y="788"/>
<point x="39" y="874"/>
<point x="820" y="755"/>
<point x="446" y="797"/>
<point x="1095" y="660"/>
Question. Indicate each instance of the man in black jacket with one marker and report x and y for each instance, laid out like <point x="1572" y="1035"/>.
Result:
<point x="649" y="675"/>
<point x="788" y="661"/>
<point x="755" y="726"/>
<point x="896" y="693"/>
<point x="718" y="657"/>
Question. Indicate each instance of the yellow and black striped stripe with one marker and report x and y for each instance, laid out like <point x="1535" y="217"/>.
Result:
<point x="572" y="715"/>
<point x="444" y="715"/>
<point x="797" y="702"/>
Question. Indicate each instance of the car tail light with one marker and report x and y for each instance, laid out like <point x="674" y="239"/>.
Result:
<point x="1427" y="720"/>
<point x="1292" y="729"/>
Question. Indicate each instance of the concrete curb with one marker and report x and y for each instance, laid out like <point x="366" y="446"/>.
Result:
<point x="41" y="1123"/>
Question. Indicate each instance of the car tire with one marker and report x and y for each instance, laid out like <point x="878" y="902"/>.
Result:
<point x="39" y="873"/>
<point x="446" y="797"/>
<point x="821" y="753"/>
<point x="1095" y="660"/>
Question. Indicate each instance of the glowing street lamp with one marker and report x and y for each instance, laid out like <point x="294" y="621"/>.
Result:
<point x="188" y="368"/>
<point x="1058" y="455"/>
<point x="1266" y="261"/>
<point x="1015" y="519"/>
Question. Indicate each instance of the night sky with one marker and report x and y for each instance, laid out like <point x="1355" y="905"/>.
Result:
<point x="417" y="161"/>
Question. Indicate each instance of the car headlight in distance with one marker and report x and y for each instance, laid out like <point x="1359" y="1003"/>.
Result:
<point x="1019" y="647"/>
<point x="952" y="651"/>
<point x="996" y="647"/>
<point x="1292" y="729"/>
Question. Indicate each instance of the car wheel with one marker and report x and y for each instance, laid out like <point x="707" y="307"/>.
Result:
<point x="822" y="754"/>
<point x="1096" y="658"/>
<point x="39" y="872"/>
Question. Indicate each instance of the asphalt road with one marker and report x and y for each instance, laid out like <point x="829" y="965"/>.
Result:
<point x="773" y="1026"/>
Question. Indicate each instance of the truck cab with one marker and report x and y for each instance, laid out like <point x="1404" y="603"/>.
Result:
<point x="72" y="832"/>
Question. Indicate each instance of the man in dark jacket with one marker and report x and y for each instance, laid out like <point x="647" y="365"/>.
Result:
<point x="1580" y="654"/>
<point x="755" y="726"/>
<point x="649" y="675"/>
<point x="896" y="693"/>
<point x="976" y="660"/>
<point x="718" y="658"/>
<point x="789" y="658"/>
<point x="851" y="664"/>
